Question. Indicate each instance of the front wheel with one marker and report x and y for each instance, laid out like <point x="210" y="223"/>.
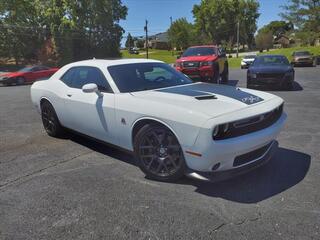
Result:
<point x="158" y="153"/>
<point x="225" y="74"/>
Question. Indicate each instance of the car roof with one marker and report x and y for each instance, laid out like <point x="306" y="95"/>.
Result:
<point x="112" y="62"/>
<point x="211" y="46"/>
<point x="271" y="55"/>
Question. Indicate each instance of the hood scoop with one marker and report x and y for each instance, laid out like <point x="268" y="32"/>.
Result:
<point x="206" y="97"/>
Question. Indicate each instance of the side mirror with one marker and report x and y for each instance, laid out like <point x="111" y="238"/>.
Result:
<point x="179" y="56"/>
<point x="91" y="88"/>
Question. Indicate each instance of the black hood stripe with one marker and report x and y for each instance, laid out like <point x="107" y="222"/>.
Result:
<point x="205" y="88"/>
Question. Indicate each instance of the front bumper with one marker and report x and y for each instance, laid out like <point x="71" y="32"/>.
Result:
<point x="303" y="62"/>
<point x="272" y="82"/>
<point x="200" y="72"/>
<point x="225" y="152"/>
<point x="259" y="161"/>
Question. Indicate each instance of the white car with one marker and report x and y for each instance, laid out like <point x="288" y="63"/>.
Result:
<point x="247" y="61"/>
<point x="172" y="125"/>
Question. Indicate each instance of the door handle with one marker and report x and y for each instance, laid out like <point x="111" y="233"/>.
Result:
<point x="69" y="95"/>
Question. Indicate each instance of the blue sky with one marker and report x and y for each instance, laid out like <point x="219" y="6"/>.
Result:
<point x="158" y="13"/>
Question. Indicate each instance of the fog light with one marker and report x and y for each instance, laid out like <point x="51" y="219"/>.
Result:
<point x="215" y="167"/>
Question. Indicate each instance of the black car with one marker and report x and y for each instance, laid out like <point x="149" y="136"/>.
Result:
<point x="272" y="71"/>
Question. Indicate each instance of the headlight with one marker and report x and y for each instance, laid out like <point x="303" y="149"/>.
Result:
<point x="178" y="64"/>
<point x="206" y="63"/>
<point x="220" y="130"/>
<point x="253" y="75"/>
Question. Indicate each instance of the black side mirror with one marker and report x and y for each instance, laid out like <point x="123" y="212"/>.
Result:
<point x="179" y="56"/>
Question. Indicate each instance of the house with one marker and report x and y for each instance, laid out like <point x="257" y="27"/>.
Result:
<point x="159" y="41"/>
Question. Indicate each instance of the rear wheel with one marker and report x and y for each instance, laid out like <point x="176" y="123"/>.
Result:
<point x="20" y="81"/>
<point x="50" y="120"/>
<point x="216" y="73"/>
<point x="159" y="154"/>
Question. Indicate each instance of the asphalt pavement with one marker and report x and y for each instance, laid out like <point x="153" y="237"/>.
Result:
<point x="75" y="188"/>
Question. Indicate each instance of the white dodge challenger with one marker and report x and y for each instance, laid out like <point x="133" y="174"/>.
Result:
<point x="172" y="125"/>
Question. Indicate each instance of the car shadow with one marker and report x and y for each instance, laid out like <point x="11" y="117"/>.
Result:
<point x="286" y="169"/>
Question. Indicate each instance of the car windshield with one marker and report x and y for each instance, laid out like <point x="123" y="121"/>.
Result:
<point x="271" y="60"/>
<point x="199" y="51"/>
<point x="304" y="53"/>
<point x="26" y="69"/>
<point x="146" y="76"/>
<point x="250" y="57"/>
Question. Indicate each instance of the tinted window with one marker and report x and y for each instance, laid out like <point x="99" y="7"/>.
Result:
<point x="78" y="76"/>
<point x="271" y="60"/>
<point x="199" y="51"/>
<point x="146" y="76"/>
<point x="43" y="68"/>
<point x="304" y="53"/>
<point x="26" y="69"/>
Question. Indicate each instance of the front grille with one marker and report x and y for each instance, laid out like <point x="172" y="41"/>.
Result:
<point x="304" y="59"/>
<point x="189" y="64"/>
<point x="252" y="124"/>
<point x="251" y="156"/>
<point x="270" y="75"/>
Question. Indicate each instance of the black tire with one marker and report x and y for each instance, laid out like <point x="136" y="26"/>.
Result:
<point x="225" y="74"/>
<point x="216" y="73"/>
<point x="158" y="153"/>
<point x="50" y="120"/>
<point x="20" y="81"/>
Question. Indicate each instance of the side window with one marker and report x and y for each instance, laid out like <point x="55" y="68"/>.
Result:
<point x="78" y="76"/>
<point x="68" y="77"/>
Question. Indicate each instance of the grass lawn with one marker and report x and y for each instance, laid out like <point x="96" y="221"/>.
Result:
<point x="166" y="56"/>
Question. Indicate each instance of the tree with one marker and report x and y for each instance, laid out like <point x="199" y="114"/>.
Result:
<point x="20" y="30"/>
<point x="216" y="20"/>
<point x="130" y="41"/>
<point x="277" y="27"/>
<point x="78" y="29"/>
<point x="305" y="15"/>
<point x="181" y="33"/>
<point x="264" y="40"/>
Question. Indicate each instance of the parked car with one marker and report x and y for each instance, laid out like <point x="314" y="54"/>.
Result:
<point x="134" y="51"/>
<point x="247" y="61"/>
<point x="172" y="125"/>
<point x="27" y="75"/>
<point x="206" y="63"/>
<point x="302" y="58"/>
<point x="270" y="71"/>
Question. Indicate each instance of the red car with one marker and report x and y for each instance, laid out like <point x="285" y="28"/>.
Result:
<point x="27" y="75"/>
<point x="207" y="63"/>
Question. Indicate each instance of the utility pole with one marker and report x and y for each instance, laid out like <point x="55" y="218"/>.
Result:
<point x="171" y="42"/>
<point x="238" y="26"/>
<point x="147" y="41"/>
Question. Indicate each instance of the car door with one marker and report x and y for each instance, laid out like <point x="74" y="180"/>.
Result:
<point x="89" y="113"/>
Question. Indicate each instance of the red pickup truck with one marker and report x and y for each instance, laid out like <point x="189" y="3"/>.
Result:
<point x="208" y="63"/>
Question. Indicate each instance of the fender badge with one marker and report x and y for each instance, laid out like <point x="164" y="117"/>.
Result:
<point x="123" y="121"/>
